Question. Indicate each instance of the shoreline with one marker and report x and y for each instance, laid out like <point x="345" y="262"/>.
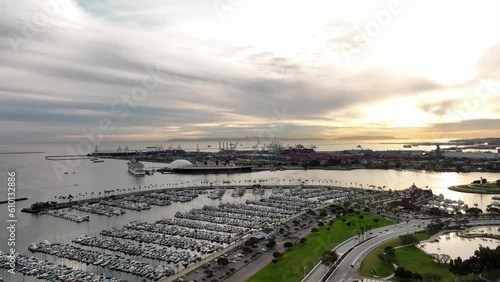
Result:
<point x="472" y="190"/>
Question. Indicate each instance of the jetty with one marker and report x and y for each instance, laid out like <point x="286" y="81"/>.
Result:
<point x="15" y="200"/>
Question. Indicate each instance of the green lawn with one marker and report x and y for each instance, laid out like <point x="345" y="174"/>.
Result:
<point x="411" y="258"/>
<point x="372" y="266"/>
<point x="290" y="267"/>
<point x="483" y="186"/>
<point x="415" y="260"/>
<point x="476" y="188"/>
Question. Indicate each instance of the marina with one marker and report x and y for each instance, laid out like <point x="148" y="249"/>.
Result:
<point x="182" y="241"/>
<point x="239" y="192"/>
<point x="43" y="270"/>
<point x="66" y="215"/>
<point x="111" y="262"/>
<point x="137" y="249"/>
<point x="99" y="209"/>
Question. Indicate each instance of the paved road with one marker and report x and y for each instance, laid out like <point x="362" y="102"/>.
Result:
<point x="252" y="268"/>
<point x="379" y="235"/>
<point x="348" y="267"/>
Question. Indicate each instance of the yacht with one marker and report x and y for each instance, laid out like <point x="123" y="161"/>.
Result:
<point x="96" y="159"/>
<point x="136" y="167"/>
<point x="495" y="204"/>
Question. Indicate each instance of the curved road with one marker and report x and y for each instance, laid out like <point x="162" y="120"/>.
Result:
<point x="348" y="267"/>
<point x="379" y="236"/>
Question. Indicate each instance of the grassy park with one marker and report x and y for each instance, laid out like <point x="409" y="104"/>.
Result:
<point x="415" y="260"/>
<point x="409" y="257"/>
<point x="302" y="257"/>
<point x="486" y="188"/>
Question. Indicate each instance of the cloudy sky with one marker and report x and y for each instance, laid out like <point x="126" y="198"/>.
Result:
<point x="154" y="70"/>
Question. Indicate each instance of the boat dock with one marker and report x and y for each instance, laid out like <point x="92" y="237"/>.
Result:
<point x="95" y="200"/>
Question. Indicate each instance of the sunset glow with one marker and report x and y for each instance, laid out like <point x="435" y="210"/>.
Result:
<point x="236" y="68"/>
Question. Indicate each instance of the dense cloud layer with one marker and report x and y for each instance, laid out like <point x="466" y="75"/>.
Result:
<point x="196" y="70"/>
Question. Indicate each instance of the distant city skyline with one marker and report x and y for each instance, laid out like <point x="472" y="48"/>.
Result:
<point x="157" y="70"/>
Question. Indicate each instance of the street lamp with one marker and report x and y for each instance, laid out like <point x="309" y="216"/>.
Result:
<point x="353" y="238"/>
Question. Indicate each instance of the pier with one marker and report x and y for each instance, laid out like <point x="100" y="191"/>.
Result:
<point x="67" y="157"/>
<point x="15" y="200"/>
<point x="94" y="200"/>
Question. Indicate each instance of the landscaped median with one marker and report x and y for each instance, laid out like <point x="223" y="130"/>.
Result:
<point x="409" y="257"/>
<point x="303" y="257"/>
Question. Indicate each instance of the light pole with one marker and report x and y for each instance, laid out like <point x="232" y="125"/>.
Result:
<point x="353" y="238"/>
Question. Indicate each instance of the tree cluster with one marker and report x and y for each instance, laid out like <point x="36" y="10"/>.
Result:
<point x="406" y="275"/>
<point x="408" y="240"/>
<point x="222" y="261"/>
<point x="435" y="227"/>
<point x="440" y="258"/>
<point x="271" y="244"/>
<point x="251" y="241"/>
<point x="483" y="260"/>
<point x="388" y="255"/>
<point x="329" y="258"/>
<point x="39" y="206"/>
<point x="474" y="211"/>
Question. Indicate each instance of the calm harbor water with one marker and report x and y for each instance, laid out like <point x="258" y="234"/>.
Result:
<point x="447" y="243"/>
<point x="42" y="180"/>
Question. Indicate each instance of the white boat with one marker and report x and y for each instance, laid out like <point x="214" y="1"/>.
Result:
<point x="495" y="204"/>
<point x="96" y="160"/>
<point x="135" y="167"/>
<point x="238" y="192"/>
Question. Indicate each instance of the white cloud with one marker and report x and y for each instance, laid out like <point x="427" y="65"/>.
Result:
<point x="237" y="68"/>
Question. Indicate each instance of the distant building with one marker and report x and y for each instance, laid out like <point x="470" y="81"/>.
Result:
<point x="415" y="194"/>
<point x="265" y="234"/>
<point x="471" y="155"/>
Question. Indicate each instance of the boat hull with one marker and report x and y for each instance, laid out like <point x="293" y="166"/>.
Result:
<point x="213" y="170"/>
<point x="136" y="172"/>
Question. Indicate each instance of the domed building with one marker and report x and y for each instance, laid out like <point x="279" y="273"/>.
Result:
<point x="179" y="164"/>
